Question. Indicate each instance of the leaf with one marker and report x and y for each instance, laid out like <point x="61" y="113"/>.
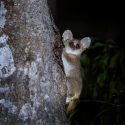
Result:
<point x="100" y="79"/>
<point x="105" y="60"/>
<point x="98" y="45"/>
<point x="85" y="59"/>
<point x="83" y="73"/>
<point x="113" y="61"/>
<point x="112" y="88"/>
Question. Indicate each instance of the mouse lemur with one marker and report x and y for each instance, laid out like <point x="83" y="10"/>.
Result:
<point x="71" y="63"/>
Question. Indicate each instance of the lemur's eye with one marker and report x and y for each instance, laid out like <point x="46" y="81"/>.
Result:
<point x="77" y="46"/>
<point x="71" y="44"/>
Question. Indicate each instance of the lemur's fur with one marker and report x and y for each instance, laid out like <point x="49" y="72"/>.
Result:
<point x="71" y="62"/>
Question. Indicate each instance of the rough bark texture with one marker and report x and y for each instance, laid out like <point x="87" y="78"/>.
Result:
<point x="34" y="94"/>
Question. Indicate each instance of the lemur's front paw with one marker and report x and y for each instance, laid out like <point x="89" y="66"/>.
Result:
<point x="68" y="100"/>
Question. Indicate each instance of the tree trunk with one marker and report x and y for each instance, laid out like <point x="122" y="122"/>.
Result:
<point x="32" y="89"/>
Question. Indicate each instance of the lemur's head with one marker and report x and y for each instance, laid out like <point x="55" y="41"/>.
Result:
<point x="74" y="46"/>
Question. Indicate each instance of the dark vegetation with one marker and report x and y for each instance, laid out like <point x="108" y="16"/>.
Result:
<point x="103" y="99"/>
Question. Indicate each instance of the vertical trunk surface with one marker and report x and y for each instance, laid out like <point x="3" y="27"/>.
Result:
<point x="32" y="90"/>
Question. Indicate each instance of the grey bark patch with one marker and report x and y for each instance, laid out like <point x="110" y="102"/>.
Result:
<point x="7" y="67"/>
<point x="2" y="15"/>
<point x="7" y="104"/>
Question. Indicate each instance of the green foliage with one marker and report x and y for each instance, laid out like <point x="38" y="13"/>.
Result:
<point x="103" y="73"/>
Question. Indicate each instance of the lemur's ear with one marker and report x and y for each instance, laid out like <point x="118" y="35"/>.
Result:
<point x="67" y="35"/>
<point x="85" y="42"/>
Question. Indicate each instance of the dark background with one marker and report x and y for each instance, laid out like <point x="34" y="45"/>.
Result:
<point x="102" y="19"/>
<point x="103" y="99"/>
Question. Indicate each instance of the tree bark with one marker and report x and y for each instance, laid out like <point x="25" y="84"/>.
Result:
<point x="32" y="89"/>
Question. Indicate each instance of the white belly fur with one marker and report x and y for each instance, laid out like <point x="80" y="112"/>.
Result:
<point x="67" y="66"/>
